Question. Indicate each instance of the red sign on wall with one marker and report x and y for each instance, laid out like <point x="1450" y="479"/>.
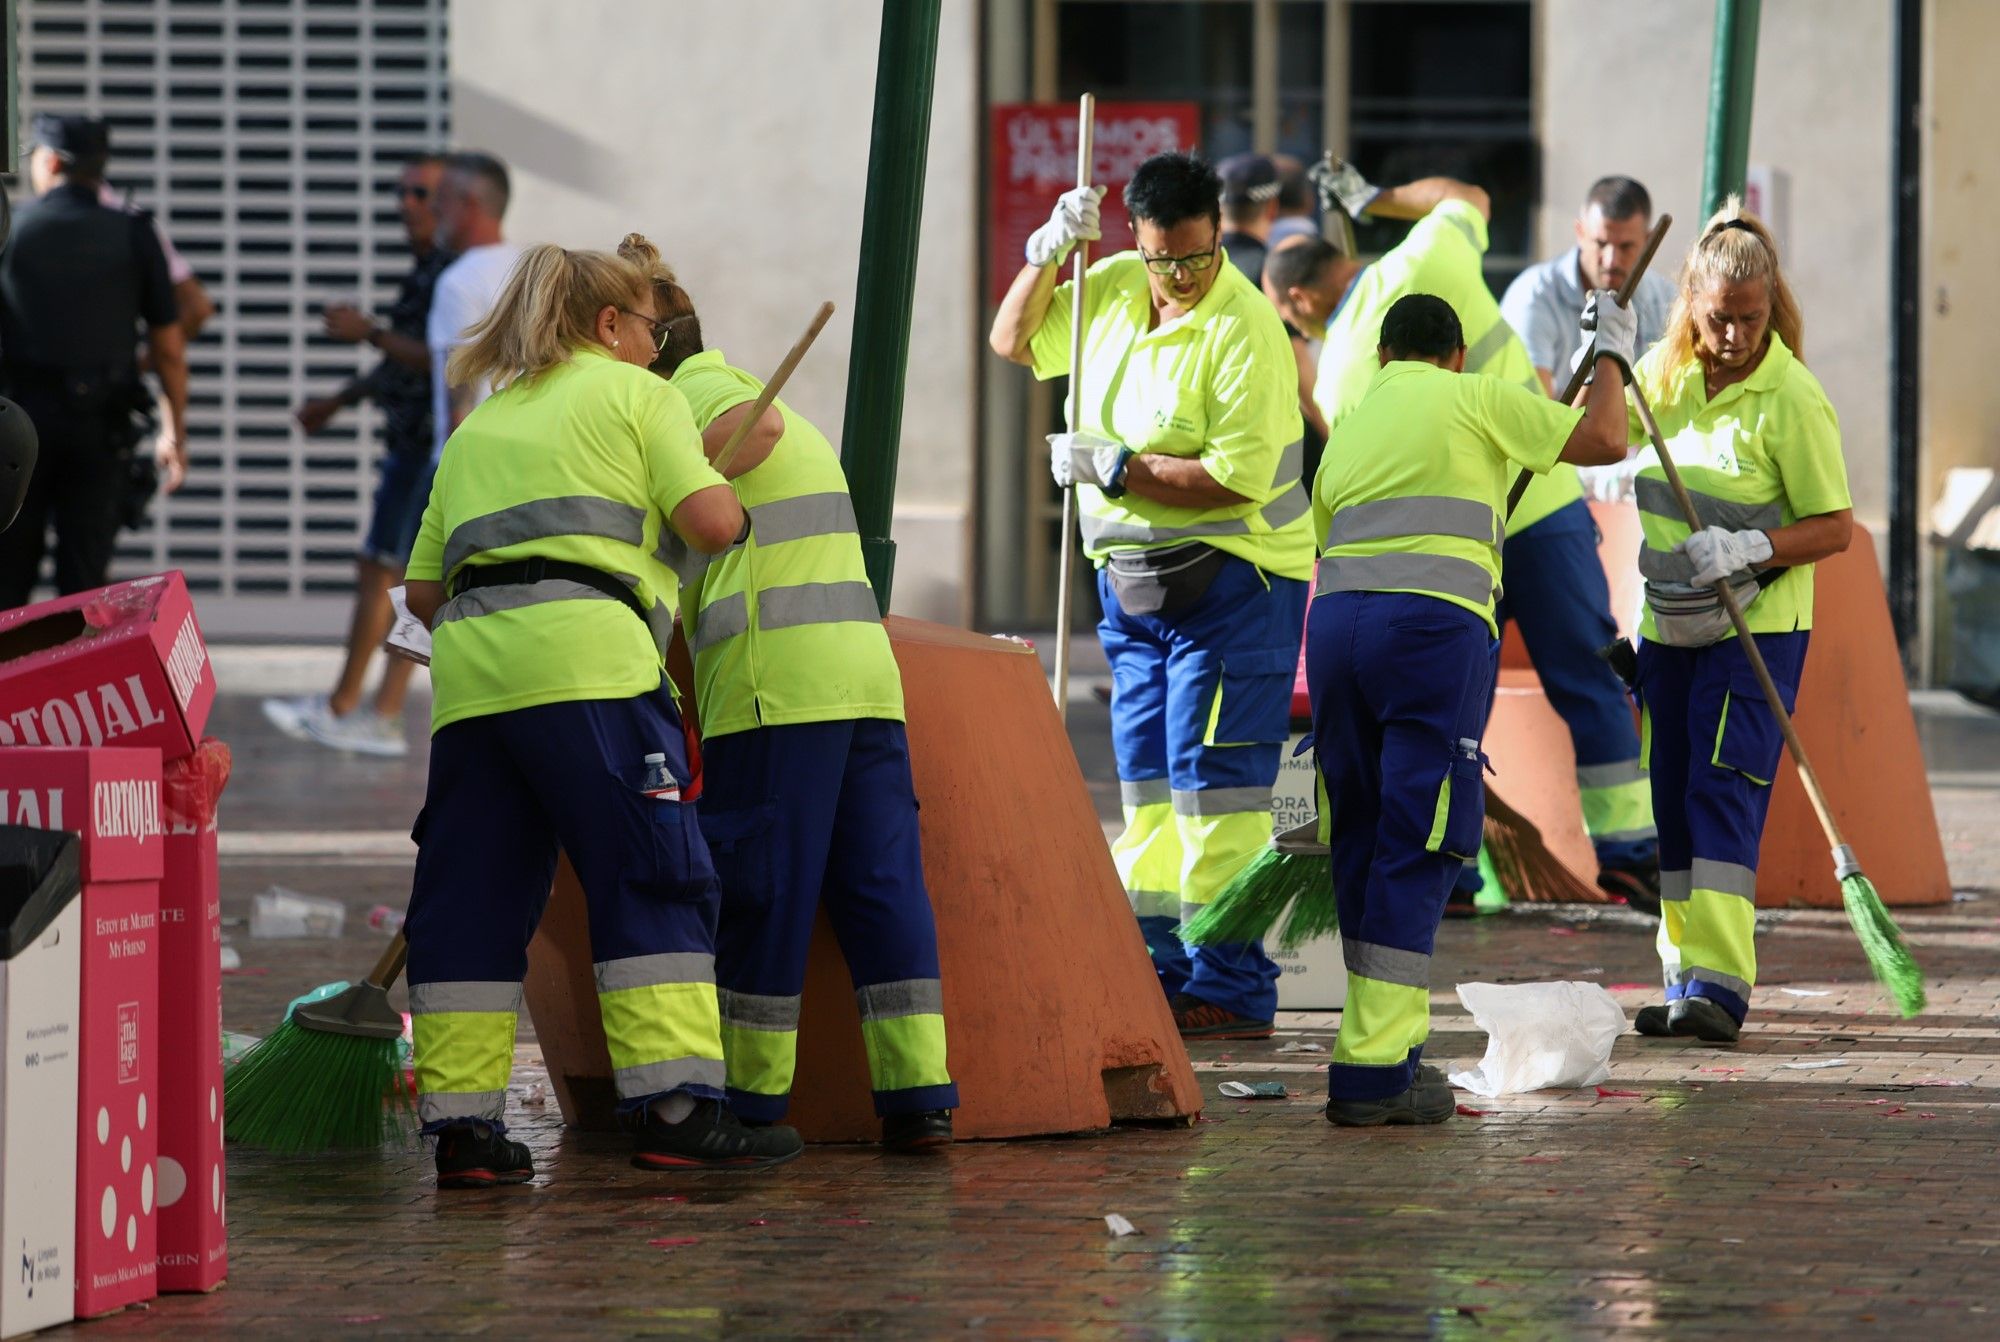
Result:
<point x="1034" y="161"/>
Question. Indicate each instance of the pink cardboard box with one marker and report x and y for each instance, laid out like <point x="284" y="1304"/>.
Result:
<point x="112" y="798"/>
<point x="194" y="1246"/>
<point x="123" y="665"/>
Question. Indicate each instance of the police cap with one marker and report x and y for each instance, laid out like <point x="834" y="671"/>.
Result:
<point x="73" y="138"/>
<point x="1247" y="179"/>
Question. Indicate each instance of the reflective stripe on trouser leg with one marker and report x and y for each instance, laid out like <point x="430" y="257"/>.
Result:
<point x="1717" y="937"/>
<point x="902" y="1029"/>
<point x="760" y="1039"/>
<point x="1382" y="1028"/>
<point x="1148" y="852"/>
<point x="662" y="1023"/>
<point x="1617" y="802"/>
<point x="463" y="1038"/>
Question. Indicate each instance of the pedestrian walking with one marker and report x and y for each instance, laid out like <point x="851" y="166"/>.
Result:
<point x="400" y="386"/>
<point x="1186" y="458"/>
<point x="1758" y="445"/>
<point x="1399" y="647"/>
<point x="554" y="727"/>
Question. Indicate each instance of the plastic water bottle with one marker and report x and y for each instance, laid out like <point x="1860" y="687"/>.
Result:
<point x="660" y="784"/>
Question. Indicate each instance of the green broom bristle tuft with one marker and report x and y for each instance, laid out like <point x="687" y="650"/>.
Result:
<point x="1882" y="942"/>
<point x="305" y="1090"/>
<point x="1314" y="912"/>
<point x="1251" y="904"/>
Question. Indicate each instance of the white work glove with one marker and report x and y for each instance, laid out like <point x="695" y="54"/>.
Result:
<point x="1717" y="553"/>
<point x="1341" y="186"/>
<point x="1609" y="327"/>
<point x="1088" y="459"/>
<point x="1073" y="220"/>
<point x="1611" y="484"/>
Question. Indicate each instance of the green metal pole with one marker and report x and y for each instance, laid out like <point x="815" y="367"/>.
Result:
<point x="883" y="297"/>
<point x="1731" y="82"/>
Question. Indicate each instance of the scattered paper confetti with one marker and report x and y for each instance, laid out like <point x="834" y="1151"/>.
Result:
<point x="1608" y="1093"/>
<point x="760" y="1221"/>
<point x="1818" y="1064"/>
<point x="1805" y="992"/>
<point x="1119" y="1226"/>
<point x="1253" y="1090"/>
<point x="679" y="1243"/>
<point x="1724" y="1071"/>
<point x="1562" y="931"/>
<point x="1630" y="987"/>
<point x="1470" y="1112"/>
<point x="1302" y="1046"/>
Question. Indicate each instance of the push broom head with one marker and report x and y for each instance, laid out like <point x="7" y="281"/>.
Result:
<point x="1881" y="940"/>
<point x="1293" y="873"/>
<point x="329" y="1079"/>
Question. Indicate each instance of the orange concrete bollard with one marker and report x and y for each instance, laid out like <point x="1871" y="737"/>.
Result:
<point x="1853" y="715"/>
<point x="1055" y="1020"/>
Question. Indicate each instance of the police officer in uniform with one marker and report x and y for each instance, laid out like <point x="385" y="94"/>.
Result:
<point x="1407" y="506"/>
<point x="77" y="281"/>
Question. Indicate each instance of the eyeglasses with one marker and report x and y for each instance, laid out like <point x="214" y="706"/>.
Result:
<point x="415" y="192"/>
<point x="661" y="328"/>
<point x="1193" y="262"/>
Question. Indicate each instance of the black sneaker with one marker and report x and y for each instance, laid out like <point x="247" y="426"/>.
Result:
<point x="478" y="1155"/>
<point x="1422" y="1103"/>
<point x="1196" y="1019"/>
<point x="711" y="1138"/>
<point x="1655" y="1022"/>
<point x="1699" y="1018"/>
<point x="1638" y="886"/>
<point x="917" y="1132"/>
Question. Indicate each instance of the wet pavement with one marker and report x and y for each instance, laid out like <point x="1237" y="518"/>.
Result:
<point x="1835" y="1175"/>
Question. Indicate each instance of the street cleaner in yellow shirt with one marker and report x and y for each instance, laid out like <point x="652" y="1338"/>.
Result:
<point x="1399" y="648"/>
<point x="807" y="796"/>
<point x="1555" y="585"/>
<point x="1187" y="458"/>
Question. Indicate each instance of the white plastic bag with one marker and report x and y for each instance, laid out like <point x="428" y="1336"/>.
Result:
<point x="1540" y="1036"/>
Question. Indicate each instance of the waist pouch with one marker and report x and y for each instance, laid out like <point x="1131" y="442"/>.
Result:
<point x="1163" y="582"/>
<point x="1693" y="617"/>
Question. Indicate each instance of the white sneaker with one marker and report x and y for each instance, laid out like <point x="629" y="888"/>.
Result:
<point x="364" y="731"/>
<point x="291" y="715"/>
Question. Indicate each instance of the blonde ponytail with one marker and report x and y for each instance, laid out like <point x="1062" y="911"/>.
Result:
<point x="1734" y="247"/>
<point x="545" y="312"/>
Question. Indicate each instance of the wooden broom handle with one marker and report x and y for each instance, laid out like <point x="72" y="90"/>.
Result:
<point x="390" y="967"/>
<point x="1086" y="128"/>
<point x="1751" y="652"/>
<point x="1582" y="370"/>
<point x="772" y="388"/>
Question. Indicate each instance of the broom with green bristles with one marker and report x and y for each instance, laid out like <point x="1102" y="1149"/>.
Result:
<point x="330" y="1078"/>
<point x="1880" y="939"/>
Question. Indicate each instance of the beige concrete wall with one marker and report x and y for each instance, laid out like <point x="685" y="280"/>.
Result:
<point x="735" y="134"/>
<point x="1624" y="89"/>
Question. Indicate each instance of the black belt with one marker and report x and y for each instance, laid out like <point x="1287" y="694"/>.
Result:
<point x="538" y="570"/>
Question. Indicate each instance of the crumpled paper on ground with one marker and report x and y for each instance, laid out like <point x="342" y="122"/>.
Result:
<point x="1540" y="1036"/>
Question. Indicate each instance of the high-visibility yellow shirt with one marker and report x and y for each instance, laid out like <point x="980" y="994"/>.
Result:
<point x="1219" y="384"/>
<point x="1763" y="454"/>
<point x="1410" y="490"/>
<point x="784" y="627"/>
<point x="1441" y="256"/>
<point x="582" y="463"/>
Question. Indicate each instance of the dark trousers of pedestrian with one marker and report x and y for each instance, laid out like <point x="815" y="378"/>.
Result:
<point x="1400" y="685"/>
<point x="77" y="485"/>
<point x="807" y="815"/>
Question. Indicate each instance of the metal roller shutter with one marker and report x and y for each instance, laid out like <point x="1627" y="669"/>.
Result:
<point x="267" y="135"/>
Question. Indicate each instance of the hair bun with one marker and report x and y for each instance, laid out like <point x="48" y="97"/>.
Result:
<point x="640" y="251"/>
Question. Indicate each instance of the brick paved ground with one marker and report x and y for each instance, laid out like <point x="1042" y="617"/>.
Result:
<point x="1733" y="1193"/>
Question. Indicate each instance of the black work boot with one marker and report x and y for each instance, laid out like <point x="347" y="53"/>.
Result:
<point x="1424" y="1102"/>
<point x="710" y="1138"/>
<point x="917" y="1132"/>
<point x="1655" y="1021"/>
<point x="476" y="1154"/>
<point x="1699" y="1018"/>
<point x="1638" y="885"/>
